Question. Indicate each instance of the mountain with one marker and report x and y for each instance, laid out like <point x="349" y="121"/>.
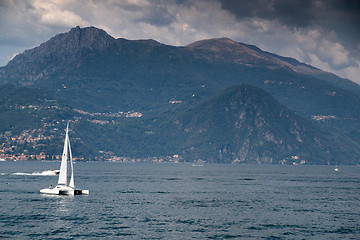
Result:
<point x="58" y="54"/>
<point x="108" y="74"/>
<point x="90" y="72"/>
<point x="225" y="50"/>
<point x="246" y="124"/>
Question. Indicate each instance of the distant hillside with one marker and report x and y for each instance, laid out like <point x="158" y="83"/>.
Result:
<point x="246" y="124"/>
<point x="241" y="124"/>
<point x="24" y="108"/>
<point x="89" y="71"/>
<point x="27" y="121"/>
<point x="31" y="123"/>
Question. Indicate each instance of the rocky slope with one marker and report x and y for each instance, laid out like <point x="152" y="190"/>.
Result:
<point x="246" y="124"/>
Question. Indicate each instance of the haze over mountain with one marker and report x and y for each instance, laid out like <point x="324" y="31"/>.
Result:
<point x="91" y="71"/>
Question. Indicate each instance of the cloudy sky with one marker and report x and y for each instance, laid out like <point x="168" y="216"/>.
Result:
<point x="322" y="33"/>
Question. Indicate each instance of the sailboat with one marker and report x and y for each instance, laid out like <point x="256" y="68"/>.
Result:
<point x="62" y="187"/>
<point x="336" y="168"/>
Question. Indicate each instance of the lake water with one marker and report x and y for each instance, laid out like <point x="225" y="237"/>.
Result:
<point x="180" y="201"/>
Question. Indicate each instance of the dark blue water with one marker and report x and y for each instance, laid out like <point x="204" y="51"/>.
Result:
<point x="179" y="201"/>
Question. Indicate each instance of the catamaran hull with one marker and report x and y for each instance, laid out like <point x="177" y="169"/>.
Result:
<point x="81" y="192"/>
<point x="50" y="191"/>
<point x="64" y="191"/>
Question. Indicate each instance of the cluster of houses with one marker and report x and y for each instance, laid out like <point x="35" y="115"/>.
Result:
<point x="10" y="143"/>
<point x="24" y="157"/>
<point x="129" y="114"/>
<point x="323" y="117"/>
<point x="110" y="156"/>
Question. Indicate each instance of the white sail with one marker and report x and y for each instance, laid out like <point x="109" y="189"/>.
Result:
<point x="63" y="167"/>
<point x="72" y="184"/>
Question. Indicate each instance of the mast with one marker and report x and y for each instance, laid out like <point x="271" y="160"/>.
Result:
<point x="63" y="167"/>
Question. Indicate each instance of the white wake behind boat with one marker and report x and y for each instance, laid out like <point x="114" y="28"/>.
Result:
<point x="51" y="172"/>
<point x="62" y="187"/>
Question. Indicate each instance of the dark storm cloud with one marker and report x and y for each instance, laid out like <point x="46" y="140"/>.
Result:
<point x="340" y="18"/>
<point x="296" y="13"/>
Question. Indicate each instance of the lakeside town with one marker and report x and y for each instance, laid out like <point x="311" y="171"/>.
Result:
<point x="12" y="149"/>
<point x="39" y="143"/>
<point x="45" y="143"/>
<point x="23" y="146"/>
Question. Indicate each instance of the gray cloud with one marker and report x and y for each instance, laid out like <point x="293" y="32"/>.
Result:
<point x="158" y="16"/>
<point x="339" y="16"/>
<point x="323" y="33"/>
<point x="295" y="13"/>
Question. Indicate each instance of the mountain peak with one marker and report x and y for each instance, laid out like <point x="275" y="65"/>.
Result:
<point x="220" y="42"/>
<point x="220" y="46"/>
<point x="60" y="51"/>
<point x="227" y="50"/>
<point x="91" y="36"/>
<point x="78" y="38"/>
<point x="69" y="43"/>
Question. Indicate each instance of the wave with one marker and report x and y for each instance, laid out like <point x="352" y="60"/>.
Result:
<point x="44" y="173"/>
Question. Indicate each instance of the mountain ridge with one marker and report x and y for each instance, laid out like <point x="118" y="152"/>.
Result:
<point x="91" y="38"/>
<point x="247" y="54"/>
<point x="258" y="56"/>
<point x="93" y="72"/>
